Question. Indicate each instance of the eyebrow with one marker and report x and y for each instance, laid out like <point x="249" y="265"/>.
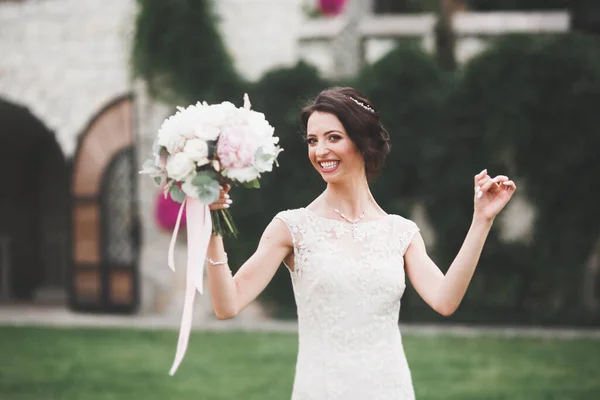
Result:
<point x="326" y="133"/>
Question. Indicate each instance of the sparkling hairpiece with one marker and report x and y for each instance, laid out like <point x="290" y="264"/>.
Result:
<point x="363" y="105"/>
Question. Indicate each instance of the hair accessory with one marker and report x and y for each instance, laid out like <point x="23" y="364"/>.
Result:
<point x="363" y="105"/>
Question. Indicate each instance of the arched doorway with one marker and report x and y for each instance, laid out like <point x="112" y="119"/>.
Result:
<point x="34" y="210"/>
<point x="104" y="275"/>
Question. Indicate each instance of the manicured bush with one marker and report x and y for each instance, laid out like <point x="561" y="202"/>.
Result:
<point x="528" y="106"/>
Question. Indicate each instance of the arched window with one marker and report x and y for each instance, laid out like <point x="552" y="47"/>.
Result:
<point x="104" y="273"/>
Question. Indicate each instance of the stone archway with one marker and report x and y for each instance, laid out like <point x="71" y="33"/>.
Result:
<point x="34" y="209"/>
<point x="104" y="275"/>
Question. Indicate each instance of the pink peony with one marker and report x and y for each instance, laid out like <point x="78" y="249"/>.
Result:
<point x="236" y="147"/>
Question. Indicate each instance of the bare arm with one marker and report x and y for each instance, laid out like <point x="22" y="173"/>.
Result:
<point x="444" y="293"/>
<point x="231" y="294"/>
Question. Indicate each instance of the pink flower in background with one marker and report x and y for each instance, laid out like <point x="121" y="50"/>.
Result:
<point x="166" y="211"/>
<point x="331" y="7"/>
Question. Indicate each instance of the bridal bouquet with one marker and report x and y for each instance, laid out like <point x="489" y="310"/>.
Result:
<point x="198" y="150"/>
<point x="203" y="147"/>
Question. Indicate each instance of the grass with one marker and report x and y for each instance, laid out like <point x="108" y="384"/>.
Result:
<point x="102" y="364"/>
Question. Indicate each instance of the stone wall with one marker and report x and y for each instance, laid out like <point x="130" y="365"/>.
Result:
<point x="379" y="33"/>
<point x="65" y="59"/>
<point x="260" y="34"/>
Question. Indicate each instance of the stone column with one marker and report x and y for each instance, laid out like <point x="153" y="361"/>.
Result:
<point x="156" y="280"/>
<point x="348" y="45"/>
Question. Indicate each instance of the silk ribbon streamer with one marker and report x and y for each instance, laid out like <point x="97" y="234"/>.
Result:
<point x="199" y="230"/>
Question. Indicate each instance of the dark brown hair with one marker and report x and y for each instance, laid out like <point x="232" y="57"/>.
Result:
<point x="361" y="121"/>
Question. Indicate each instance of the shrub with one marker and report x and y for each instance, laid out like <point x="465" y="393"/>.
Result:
<point x="178" y="51"/>
<point x="528" y="106"/>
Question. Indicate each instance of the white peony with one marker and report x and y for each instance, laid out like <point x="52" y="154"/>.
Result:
<point x="199" y="124"/>
<point x="197" y="150"/>
<point x="195" y="121"/>
<point x="179" y="166"/>
<point x="247" y="174"/>
<point x="266" y="155"/>
<point x="175" y="144"/>
<point x="221" y="115"/>
<point x="259" y="125"/>
<point x="189" y="122"/>
<point x="170" y="134"/>
<point x="208" y="120"/>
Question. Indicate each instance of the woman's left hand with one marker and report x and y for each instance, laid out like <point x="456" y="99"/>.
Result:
<point x="491" y="194"/>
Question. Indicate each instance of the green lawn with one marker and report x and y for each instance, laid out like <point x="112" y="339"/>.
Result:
<point x="82" y="364"/>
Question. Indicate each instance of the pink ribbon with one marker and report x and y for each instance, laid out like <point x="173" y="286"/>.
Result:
<point x="199" y="229"/>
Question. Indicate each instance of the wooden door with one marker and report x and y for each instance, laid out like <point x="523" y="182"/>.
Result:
<point x="104" y="271"/>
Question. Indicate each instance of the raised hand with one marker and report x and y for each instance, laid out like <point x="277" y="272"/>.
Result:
<point x="491" y="194"/>
<point x="224" y="200"/>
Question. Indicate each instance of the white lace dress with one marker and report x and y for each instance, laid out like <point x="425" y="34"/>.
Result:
<point x="348" y="281"/>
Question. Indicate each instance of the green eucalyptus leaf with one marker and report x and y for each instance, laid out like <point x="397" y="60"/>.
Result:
<point x="207" y="186"/>
<point x="177" y="194"/>
<point x="255" y="184"/>
<point x="208" y="196"/>
<point x="156" y="148"/>
<point x="148" y="164"/>
<point x="204" y="178"/>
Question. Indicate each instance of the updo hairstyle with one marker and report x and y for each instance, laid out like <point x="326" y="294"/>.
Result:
<point x="361" y="121"/>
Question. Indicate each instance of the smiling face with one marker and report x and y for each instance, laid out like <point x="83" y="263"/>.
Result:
<point x="331" y="151"/>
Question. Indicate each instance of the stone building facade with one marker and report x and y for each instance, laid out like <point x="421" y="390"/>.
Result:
<point x="74" y="127"/>
<point x="76" y="221"/>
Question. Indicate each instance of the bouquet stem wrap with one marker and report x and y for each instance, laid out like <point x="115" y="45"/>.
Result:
<point x="199" y="230"/>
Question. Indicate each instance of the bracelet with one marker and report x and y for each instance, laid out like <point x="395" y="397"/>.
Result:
<point x="212" y="262"/>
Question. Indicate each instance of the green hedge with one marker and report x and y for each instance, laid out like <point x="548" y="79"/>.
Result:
<point x="527" y="107"/>
<point x="518" y="5"/>
<point x="530" y="105"/>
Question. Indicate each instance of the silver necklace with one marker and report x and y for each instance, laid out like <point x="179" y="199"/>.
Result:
<point x="352" y="221"/>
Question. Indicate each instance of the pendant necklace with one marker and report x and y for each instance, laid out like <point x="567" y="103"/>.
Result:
<point x="353" y="222"/>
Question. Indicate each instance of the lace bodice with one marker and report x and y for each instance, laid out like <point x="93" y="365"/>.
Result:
<point x="348" y="281"/>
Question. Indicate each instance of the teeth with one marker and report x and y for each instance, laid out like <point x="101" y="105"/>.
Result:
<point x="329" y="164"/>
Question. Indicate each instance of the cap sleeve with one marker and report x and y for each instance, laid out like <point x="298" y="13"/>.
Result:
<point x="291" y="219"/>
<point x="405" y="231"/>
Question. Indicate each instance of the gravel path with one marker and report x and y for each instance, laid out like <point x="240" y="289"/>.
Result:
<point x="61" y="317"/>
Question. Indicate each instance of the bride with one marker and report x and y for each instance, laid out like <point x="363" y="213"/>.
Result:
<point x="348" y="260"/>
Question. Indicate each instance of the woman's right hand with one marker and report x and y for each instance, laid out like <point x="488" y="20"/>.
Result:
<point x="224" y="200"/>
